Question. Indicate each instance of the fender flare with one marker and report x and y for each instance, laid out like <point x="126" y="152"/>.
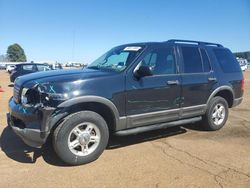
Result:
<point x="221" y="88"/>
<point x="92" y="98"/>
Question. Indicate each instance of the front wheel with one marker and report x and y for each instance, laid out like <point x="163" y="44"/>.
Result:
<point x="216" y="114"/>
<point x="81" y="138"/>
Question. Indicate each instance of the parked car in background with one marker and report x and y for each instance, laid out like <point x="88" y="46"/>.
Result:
<point x="243" y="66"/>
<point x="243" y="63"/>
<point x="56" y="66"/>
<point x="27" y="68"/>
<point x="73" y="64"/>
<point x="2" y="66"/>
<point x="9" y="68"/>
<point x="248" y="64"/>
<point x="76" y="65"/>
<point x="68" y="65"/>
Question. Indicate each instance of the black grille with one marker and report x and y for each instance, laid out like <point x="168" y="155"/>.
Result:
<point x="16" y="93"/>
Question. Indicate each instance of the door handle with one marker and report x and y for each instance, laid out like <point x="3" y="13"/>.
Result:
<point x="173" y="82"/>
<point x="212" y="79"/>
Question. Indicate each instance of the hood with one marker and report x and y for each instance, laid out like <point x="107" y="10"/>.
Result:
<point x="61" y="75"/>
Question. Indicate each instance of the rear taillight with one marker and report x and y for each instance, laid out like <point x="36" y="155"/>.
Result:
<point x="242" y="83"/>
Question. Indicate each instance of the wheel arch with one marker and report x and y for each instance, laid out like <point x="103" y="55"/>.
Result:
<point x="225" y="92"/>
<point x="100" y="105"/>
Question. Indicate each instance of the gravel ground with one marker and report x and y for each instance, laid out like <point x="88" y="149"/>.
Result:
<point x="176" y="157"/>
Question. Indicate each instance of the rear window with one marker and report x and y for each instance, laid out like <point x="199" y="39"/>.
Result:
<point x="227" y="60"/>
<point x="192" y="60"/>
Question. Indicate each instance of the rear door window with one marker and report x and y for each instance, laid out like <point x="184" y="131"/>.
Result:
<point x="191" y="59"/>
<point x="28" y="67"/>
<point x="42" y="68"/>
<point x="227" y="60"/>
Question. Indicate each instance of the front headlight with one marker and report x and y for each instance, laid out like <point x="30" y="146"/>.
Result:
<point x="24" y="99"/>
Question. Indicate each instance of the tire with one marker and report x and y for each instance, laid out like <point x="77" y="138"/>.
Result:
<point x="76" y="143"/>
<point x="213" y="121"/>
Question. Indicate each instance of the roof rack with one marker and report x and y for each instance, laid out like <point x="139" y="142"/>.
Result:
<point x="195" y="42"/>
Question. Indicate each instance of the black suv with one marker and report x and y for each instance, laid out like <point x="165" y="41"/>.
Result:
<point x="132" y="88"/>
<point x="26" y="68"/>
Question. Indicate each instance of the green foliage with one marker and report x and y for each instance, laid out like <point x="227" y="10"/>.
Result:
<point x="16" y="53"/>
<point x="245" y="55"/>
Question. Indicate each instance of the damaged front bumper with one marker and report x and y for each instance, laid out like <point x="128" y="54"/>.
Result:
<point x="29" y="123"/>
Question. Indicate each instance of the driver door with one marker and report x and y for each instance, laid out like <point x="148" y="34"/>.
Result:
<point x="154" y="99"/>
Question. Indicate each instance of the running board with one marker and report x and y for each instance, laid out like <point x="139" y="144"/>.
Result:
<point x="157" y="126"/>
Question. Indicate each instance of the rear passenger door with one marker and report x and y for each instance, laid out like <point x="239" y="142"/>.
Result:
<point x="197" y="79"/>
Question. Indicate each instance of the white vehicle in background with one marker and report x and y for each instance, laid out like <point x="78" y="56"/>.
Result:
<point x="9" y="68"/>
<point x="243" y="66"/>
<point x="243" y="63"/>
<point x="76" y="64"/>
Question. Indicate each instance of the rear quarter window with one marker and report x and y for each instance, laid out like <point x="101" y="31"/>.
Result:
<point x="227" y="60"/>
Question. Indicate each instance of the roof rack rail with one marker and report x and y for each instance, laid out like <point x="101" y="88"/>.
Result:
<point x="196" y="42"/>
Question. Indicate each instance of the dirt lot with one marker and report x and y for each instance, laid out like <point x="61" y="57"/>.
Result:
<point x="176" y="157"/>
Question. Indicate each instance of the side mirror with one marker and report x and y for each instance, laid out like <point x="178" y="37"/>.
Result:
<point x="143" y="71"/>
<point x="120" y="64"/>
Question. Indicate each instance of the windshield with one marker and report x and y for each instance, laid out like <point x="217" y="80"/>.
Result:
<point x="117" y="59"/>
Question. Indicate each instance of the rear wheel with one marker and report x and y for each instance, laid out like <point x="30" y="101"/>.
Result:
<point x="81" y="138"/>
<point x="216" y="114"/>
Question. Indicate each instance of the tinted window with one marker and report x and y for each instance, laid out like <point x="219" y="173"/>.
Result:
<point x="192" y="60"/>
<point x="42" y="68"/>
<point x="150" y="59"/>
<point x="161" y="61"/>
<point x="205" y="60"/>
<point x="227" y="60"/>
<point x="28" y="67"/>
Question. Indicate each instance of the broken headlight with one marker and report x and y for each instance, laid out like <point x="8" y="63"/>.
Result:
<point x="24" y="99"/>
<point x="30" y="96"/>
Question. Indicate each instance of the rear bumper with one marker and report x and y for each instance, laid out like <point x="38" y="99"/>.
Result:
<point x="237" y="101"/>
<point x="29" y="124"/>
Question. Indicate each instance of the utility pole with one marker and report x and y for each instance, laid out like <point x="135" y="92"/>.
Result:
<point x="73" y="45"/>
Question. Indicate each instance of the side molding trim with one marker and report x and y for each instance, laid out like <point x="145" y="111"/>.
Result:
<point x="157" y="126"/>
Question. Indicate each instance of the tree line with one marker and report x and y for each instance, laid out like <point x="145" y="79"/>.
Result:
<point x="15" y="53"/>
